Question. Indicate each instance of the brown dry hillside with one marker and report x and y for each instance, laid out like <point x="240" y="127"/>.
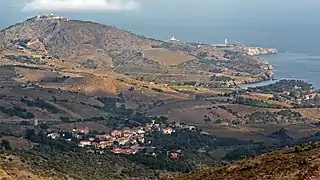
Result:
<point x="299" y="163"/>
<point x="71" y="39"/>
<point x="92" y="45"/>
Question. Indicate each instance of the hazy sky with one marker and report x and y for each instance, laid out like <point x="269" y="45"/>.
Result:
<point x="280" y="23"/>
<point x="163" y="10"/>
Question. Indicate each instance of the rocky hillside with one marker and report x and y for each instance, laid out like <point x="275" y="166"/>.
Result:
<point x="301" y="162"/>
<point x="70" y="39"/>
<point x="93" y="45"/>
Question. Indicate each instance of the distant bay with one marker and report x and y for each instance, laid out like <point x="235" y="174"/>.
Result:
<point x="296" y="66"/>
<point x="293" y="66"/>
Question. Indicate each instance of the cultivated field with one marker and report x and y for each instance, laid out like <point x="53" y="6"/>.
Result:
<point x="17" y="143"/>
<point x="167" y="57"/>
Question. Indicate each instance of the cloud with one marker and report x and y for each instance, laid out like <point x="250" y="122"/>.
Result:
<point x="80" y="5"/>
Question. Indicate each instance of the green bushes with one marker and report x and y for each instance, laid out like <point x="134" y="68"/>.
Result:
<point x="41" y="104"/>
<point x="5" y="145"/>
<point x="157" y="90"/>
<point x="16" y="111"/>
<point x="256" y="103"/>
<point x="284" y="85"/>
<point x="283" y="116"/>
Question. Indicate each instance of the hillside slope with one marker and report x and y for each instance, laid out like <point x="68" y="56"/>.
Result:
<point x="73" y="39"/>
<point x="93" y="45"/>
<point x="41" y="164"/>
<point x="301" y="162"/>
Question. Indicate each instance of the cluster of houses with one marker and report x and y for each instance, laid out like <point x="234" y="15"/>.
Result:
<point x="309" y="95"/>
<point x="123" y="141"/>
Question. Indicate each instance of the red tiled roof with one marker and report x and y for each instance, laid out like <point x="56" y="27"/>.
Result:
<point x="174" y="155"/>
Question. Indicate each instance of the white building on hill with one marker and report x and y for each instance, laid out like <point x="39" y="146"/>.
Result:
<point x="173" y="39"/>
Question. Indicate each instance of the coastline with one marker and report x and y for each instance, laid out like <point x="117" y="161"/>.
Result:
<point x="258" y="84"/>
<point x="294" y="66"/>
<point x="269" y="77"/>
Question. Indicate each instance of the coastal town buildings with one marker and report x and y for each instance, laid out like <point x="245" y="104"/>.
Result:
<point x="119" y="141"/>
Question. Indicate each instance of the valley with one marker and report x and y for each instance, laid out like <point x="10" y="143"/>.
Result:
<point x="61" y="76"/>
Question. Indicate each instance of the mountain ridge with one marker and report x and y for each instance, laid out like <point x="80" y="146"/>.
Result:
<point x="125" y="52"/>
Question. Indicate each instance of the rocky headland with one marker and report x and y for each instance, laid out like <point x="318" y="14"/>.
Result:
<point x="254" y="51"/>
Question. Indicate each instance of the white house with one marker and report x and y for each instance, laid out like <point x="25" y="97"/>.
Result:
<point x="167" y="131"/>
<point x="53" y="135"/>
<point x="84" y="143"/>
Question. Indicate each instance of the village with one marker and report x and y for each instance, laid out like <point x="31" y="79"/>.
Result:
<point x="122" y="141"/>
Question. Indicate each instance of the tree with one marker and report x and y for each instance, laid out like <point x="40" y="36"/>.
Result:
<point x="120" y="95"/>
<point x="44" y="126"/>
<point x="6" y="144"/>
<point x="295" y="94"/>
<point x="25" y="123"/>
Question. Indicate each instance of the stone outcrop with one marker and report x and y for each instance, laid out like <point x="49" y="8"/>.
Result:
<point x="254" y="51"/>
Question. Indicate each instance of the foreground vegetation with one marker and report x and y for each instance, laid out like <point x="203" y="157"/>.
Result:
<point x="63" y="160"/>
<point x="300" y="162"/>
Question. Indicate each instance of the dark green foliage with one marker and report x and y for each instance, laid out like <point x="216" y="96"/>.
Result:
<point x="157" y="90"/>
<point x="23" y="42"/>
<point x="221" y="78"/>
<point x="41" y="104"/>
<point x="284" y="85"/>
<point x="192" y="140"/>
<point x="256" y="103"/>
<point x="202" y="54"/>
<point x="283" y="116"/>
<point x="29" y="67"/>
<point x="5" y="144"/>
<point x="65" y="119"/>
<point x="56" y="79"/>
<point x="247" y="151"/>
<point x="25" y="123"/>
<point x="16" y="111"/>
<point x="49" y="161"/>
<point x="44" y="126"/>
<point x="25" y="59"/>
<point x="313" y="138"/>
<point x="281" y="135"/>
<point x="163" y="162"/>
<point x="163" y="45"/>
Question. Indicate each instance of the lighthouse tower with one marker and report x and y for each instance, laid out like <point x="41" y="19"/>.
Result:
<point x="226" y="41"/>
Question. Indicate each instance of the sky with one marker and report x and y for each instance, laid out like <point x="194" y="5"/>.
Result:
<point x="162" y="9"/>
<point x="276" y="23"/>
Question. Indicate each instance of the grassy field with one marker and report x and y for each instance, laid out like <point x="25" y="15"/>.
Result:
<point x="312" y="113"/>
<point x="260" y="96"/>
<point x="17" y="143"/>
<point x="167" y="57"/>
